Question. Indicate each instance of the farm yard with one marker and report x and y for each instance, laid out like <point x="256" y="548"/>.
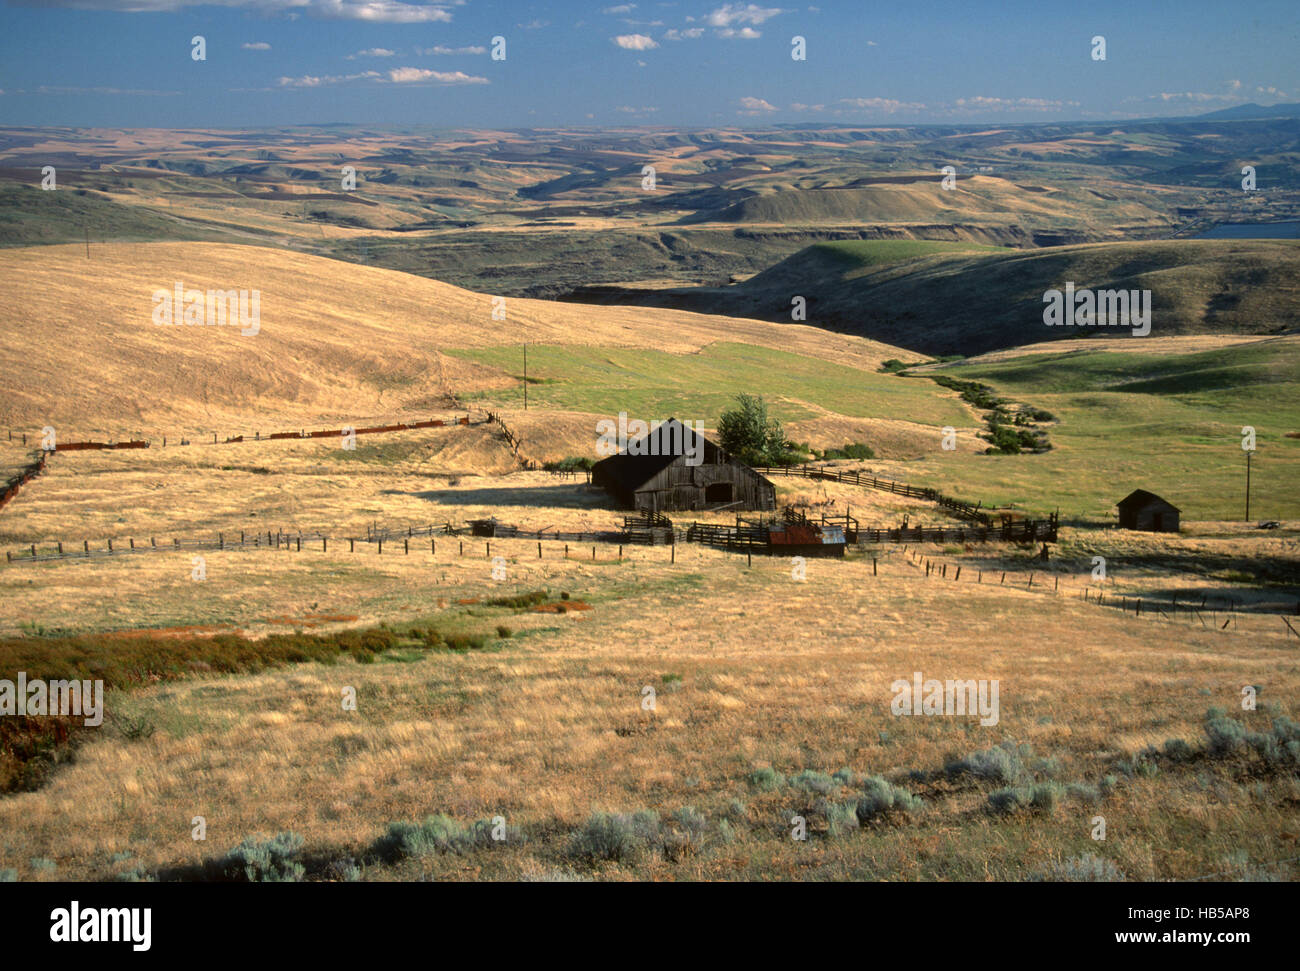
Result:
<point x="631" y="711"/>
<point x="510" y="681"/>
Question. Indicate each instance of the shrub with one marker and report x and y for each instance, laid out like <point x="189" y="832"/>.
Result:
<point x="504" y="632"/>
<point x="1002" y="763"/>
<point x="812" y="781"/>
<point x="530" y="599"/>
<point x="881" y="797"/>
<point x="1224" y="735"/>
<point x="465" y="642"/>
<point x="8" y="875"/>
<point x="1083" y="791"/>
<point x="1088" y="868"/>
<point x="1041" y="796"/>
<point x="1177" y="750"/>
<point x="616" y="836"/>
<point x="684" y="833"/>
<point x="841" y="817"/>
<point x="437" y="834"/>
<point x="766" y="779"/>
<point x="266" y="861"/>
<point x="571" y="463"/>
<point x="857" y="450"/>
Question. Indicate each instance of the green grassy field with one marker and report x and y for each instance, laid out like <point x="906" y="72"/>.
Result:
<point x="701" y="386"/>
<point x="1169" y="423"/>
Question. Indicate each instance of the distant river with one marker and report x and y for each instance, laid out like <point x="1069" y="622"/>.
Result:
<point x="1289" y="230"/>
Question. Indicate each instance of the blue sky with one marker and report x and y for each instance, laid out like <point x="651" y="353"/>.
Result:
<point x="126" y="63"/>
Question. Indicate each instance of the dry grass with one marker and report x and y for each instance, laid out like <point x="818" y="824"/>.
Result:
<point x="338" y="343"/>
<point x="751" y="669"/>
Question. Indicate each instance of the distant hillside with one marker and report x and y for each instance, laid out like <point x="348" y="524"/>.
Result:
<point x="335" y="341"/>
<point x="981" y="208"/>
<point x="939" y="298"/>
<point x="1252" y="110"/>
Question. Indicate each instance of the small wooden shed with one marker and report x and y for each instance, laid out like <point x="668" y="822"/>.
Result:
<point x="1148" y="512"/>
<point x="674" y="468"/>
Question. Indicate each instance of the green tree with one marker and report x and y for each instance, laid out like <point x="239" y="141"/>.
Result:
<point x="749" y="434"/>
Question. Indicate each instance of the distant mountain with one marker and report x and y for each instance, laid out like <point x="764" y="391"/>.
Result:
<point x="1253" y="110"/>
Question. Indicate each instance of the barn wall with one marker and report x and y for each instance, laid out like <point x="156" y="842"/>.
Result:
<point x="680" y="487"/>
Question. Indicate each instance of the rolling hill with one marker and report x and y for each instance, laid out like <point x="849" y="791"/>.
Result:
<point x="336" y="341"/>
<point x="956" y="298"/>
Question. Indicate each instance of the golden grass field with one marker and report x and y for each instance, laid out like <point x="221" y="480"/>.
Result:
<point x="751" y="667"/>
<point x="545" y="725"/>
<point x="337" y="342"/>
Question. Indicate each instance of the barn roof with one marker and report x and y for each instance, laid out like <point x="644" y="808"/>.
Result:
<point x="629" y="471"/>
<point x="1140" y="498"/>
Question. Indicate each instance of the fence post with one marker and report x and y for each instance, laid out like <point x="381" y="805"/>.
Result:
<point x="299" y="550"/>
<point x="352" y="545"/>
<point x="539" y="550"/>
<point x="110" y="548"/>
<point x="381" y="546"/>
<point x="86" y="546"/>
<point x="873" y="566"/>
<point x="958" y="576"/>
<point x="324" y="544"/>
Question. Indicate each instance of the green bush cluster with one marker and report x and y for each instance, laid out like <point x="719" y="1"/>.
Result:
<point x="258" y="860"/>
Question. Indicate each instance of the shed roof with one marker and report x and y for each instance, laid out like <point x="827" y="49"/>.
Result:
<point x="1139" y="498"/>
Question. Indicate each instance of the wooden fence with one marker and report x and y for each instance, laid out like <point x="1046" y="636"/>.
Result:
<point x="89" y="445"/>
<point x="25" y="475"/>
<point x="959" y="508"/>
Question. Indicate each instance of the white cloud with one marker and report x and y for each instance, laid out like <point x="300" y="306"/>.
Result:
<point x="887" y="105"/>
<point x="59" y="89"/>
<point x="317" y="81"/>
<point x="980" y="102"/>
<point x="691" y="33"/>
<point x="400" y="75"/>
<point x="373" y="11"/>
<point x="734" y="13"/>
<point x="1271" y="91"/>
<point x="629" y="110"/>
<point x="372" y="52"/>
<point x="439" y="49"/>
<point x="742" y="33"/>
<point x="755" y="106"/>
<point x="621" y="8"/>
<point x="634" y="42"/>
<point x="407" y="75"/>
<point x="258" y="45"/>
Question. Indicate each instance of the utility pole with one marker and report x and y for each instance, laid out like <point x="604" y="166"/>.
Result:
<point x="1248" y="485"/>
<point x="87" y="242"/>
<point x="526" y="384"/>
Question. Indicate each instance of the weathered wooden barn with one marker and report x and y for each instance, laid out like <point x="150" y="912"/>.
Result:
<point x="660" y="473"/>
<point x="1148" y="512"/>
